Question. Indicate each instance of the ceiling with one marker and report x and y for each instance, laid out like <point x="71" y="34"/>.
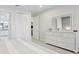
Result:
<point x="34" y="9"/>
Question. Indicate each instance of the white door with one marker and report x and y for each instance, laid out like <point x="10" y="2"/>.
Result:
<point x="36" y="29"/>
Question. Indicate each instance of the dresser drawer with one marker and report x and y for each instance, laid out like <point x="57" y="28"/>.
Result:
<point x="70" y="46"/>
<point x="61" y="39"/>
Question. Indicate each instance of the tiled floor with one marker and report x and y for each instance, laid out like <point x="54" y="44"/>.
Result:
<point x="53" y="48"/>
<point x="24" y="47"/>
<point x="20" y="46"/>
<point x="3" y="48"/>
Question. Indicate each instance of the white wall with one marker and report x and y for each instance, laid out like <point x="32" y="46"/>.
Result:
<point x="23" y="26"/>
<point x="46" y="17"/>
<point x="18" y="26"/>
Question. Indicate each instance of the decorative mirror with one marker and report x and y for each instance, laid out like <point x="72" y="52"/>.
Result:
<point x="62" y="23"/>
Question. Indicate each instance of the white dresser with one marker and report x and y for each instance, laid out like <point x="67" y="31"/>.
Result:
<point x="62" y="39"/>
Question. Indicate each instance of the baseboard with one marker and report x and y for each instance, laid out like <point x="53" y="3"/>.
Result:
<point x="61" y="47"/>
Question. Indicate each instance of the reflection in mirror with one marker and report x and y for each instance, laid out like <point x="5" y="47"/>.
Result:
<point x="54" y="24"/>
<point x="66" y="23"/>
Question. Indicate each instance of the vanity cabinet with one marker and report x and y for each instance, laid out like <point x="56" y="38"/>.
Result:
<point x="62" y="39"/>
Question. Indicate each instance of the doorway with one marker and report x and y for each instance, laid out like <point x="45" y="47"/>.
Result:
<point x="4" y="25"/>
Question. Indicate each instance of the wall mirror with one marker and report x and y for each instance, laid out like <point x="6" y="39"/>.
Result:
<point x="62" y="23"/>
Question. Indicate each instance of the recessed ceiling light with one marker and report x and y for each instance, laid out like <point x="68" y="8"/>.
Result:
<point x="41" y="5"/>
